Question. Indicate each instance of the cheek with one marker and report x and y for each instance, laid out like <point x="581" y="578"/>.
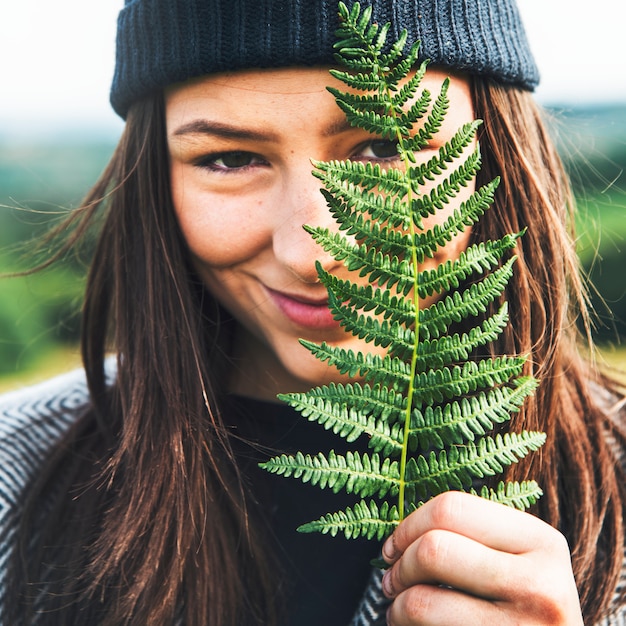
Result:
<point x="220" y="230"/>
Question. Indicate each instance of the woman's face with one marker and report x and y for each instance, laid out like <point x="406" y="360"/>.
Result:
<point x="241" y="147"/>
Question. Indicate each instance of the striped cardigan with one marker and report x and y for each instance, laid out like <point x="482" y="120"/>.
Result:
<point x="34" y="419"/>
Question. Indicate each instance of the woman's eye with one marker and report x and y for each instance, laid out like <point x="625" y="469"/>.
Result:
<point x="379" y="149"/>
<point x="229" y="161"/>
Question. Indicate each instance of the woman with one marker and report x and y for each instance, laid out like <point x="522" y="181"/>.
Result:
<point x="139" y="500"/>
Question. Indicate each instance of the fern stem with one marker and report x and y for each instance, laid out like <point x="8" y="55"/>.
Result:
<point x="416" y="303"/>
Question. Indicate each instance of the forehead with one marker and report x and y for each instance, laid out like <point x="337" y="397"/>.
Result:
<point x="282" y="97"/>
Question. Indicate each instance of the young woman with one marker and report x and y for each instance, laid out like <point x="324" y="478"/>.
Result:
<point x="131" y="494"/>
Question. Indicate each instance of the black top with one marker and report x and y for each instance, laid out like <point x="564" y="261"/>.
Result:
<point x="323" y="577"/>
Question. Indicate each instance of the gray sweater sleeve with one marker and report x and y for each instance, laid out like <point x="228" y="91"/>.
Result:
<point x="32" y="421"/>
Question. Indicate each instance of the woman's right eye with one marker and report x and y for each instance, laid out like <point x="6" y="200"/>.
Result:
<point x="229" y="161"/>
<point x="378" y="149"/>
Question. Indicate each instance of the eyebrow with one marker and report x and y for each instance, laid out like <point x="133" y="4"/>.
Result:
<point x="227" y="131"/>
<point x="338" y="126"/>
<point x="219" y="129"/>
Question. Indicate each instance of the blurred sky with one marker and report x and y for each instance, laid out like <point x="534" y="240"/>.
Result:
<point x="56" y="59"/>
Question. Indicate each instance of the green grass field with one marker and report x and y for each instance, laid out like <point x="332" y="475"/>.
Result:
<point x="56" y="360"/>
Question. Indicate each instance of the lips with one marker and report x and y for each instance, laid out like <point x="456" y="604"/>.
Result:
<point x="303" y="311"/>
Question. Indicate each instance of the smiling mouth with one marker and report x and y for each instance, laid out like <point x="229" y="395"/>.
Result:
<point x="310" y="313"/>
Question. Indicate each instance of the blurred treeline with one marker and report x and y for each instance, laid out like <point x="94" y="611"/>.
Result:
<point x="41" y="180"/>
<point x="592" y="142"/>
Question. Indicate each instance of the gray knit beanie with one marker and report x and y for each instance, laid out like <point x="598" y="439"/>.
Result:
<point x="160" y="42"/>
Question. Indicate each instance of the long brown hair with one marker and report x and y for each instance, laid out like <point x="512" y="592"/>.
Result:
<point x="148" y="512"/>
<point x="578" y="468"/>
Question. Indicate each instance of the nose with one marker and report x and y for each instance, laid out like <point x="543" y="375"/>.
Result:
<point x="301" y="203"/>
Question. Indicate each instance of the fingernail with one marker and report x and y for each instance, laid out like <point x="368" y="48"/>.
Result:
<point x="387" y="584"/>
<point x="389" y="549"/>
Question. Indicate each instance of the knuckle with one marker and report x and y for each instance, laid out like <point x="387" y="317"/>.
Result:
<point x="559" y="542"/>
<point x="546" y="610"/>
<point x="545" y="597"/>
<point x="420" y="562"/>
<point x="430" y="550"/>
<point x="446" y="508"/>
<point x="414" y="605"/>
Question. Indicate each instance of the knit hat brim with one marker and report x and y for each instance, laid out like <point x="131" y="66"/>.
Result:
<point x="161" y="42"/>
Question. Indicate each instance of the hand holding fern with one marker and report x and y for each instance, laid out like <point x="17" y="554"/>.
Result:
<point x="460" y="559"/>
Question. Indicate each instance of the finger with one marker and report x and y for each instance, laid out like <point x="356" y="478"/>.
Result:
<point x="426" y="605"/>
<point x="497" y="526"/>
<point x="440" y="557"/>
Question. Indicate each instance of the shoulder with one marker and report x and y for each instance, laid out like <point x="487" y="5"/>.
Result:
<point x="32" y="421"/>
<point x="611" y="399"/>
<point x="40" y="414"/>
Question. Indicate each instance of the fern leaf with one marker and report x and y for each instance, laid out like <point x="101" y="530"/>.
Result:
<point x="428" y="204"/>
<point x="461" y="465"/>
<point x="447" y="154"/>
<point x="430" y="400"/>
<point x="371" y="233"/>
<point x="368" y="298"/>
<point x="449" y="348"/>
<point x="354" y="410"/>
<point x="363" y="475"/>
<point x="426" y="244"/>
<point x="399" y="339"/>
<point x="389" y="271"/>
<point x="390" y="372"/>
<point x="431" y="126"/>
<point x="452" y="273"/>
<point x="435" y="320"/>
<point x="448" y="382"/>
<point x="518" y="495"/>
<point x="461" y="420"/>
<point x="338" y="175"/>
<point x="364" y="519"/>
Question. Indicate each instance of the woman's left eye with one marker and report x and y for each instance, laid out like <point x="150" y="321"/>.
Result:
<point x="229" y="161"/>
<point x="380" y="149"/>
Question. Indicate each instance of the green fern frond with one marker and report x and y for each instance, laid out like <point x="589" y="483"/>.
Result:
<point x="364" y="475"/>
<point x="430" y="404"/>
<point x="388" y="371"/>
<point x="353" y="410"/>
<point x="470" y="211"/>
<point x="449" y="348"/>
<point x="367" y="298"/>
<point x="436" y="319"/>
<point x="461" y="420"/>
<point x="364" y="519"/>
<point x="514" y="494"/>
<point x="460" y="465"/>
<point x="338" y="176"/>
<point x="452" y="273"/>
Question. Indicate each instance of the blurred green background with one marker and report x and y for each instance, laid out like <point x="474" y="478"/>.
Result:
<point x="41" y="179"/>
